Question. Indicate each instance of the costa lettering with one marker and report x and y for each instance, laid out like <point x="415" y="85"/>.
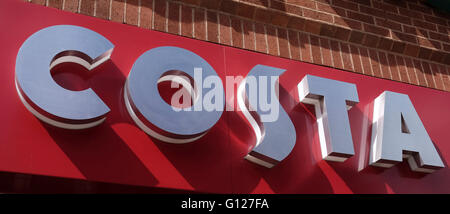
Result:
<point x="397" y="131"/>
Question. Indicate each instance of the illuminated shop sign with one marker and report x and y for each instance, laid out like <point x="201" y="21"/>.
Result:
<point x="397" y="130"/>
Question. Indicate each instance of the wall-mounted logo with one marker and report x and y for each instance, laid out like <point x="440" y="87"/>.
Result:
<point x="38" y="91"/>
<point x="397" y="129"/>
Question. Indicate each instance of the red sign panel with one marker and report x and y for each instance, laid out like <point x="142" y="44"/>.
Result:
<point x="117" y="151"/>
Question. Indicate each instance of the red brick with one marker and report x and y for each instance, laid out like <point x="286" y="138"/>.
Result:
<point x="371" y="41"/>
<point x="312" y="26"/>
<point x="55" y="3"/>
<point x="424" y="53"/>
<point x="277" y="5"/>
<point x="330" y="9"/>
<point x="249" y="35"/>
<point x="435" y="20"/>
<point x="388" y="24"/>
<point x="365" y="60"/>
<point x="225" y="29"/>
<point x="280" y="19"/>
<point x="326" y="52"/>
<point x="437" y="76"/>
<point x="372" y="11"/>
<point x="404" y="37"/>
<point x="348" y="23"/>
<point x="191" y="2"/>
<point x="346" y="4"/>
<point x="272" y="40"/>
<point x="425" y="25"/>
<point x="294" y="44"/>
<point x="160" y="15"/>
<point x="376" y="30"/>
<point x="260" y="35"/>
<point x="411" y="50"/>
<point x="420" y="73"/>
<point x="410" y="13"/>
<point x="445" y="76"/>
<point x="415" y="31"/>
<point x="398" y="47"/>
<point x="293" y="9"/>
<point x="385" y="44"/>
<point x="396" y="3"/>
<point x="237" y="36"/>
<point x="263" y="15"/>
<point x="213" y="27"/>
<point x="264" y="3"/>
<point x="411" y="71"/>
<point x="443" y="29"/>
<point x="384" y="65"/>
<point x="102" y="9"/>
<point x="303" y="3"/>
<point x="384" y="7"/>
<point x="446" y="47"/>
<point x="428" y="75"/>
<point x="346" y="56"/>
<point x="373" y="56"/>
<point x="296" y="23"/>
<point x="336" y="54"/>
<point x="328" y="30"/>
<point x="437" y="56"/>
<point x="214" y="5"/>
<point x="357" y="37"/>
<point x="132" y="12"/>
<point x="283" y="43"/>
<point x="429" y="43"/>
<point x="439" y="37"/>
<point x="146" y="14"/>
<point x="40" y="2"/>
<point x="356" y="59"/>
<point x="245" y="10"/>
<point x="186" y="19"/>
<point x="342" y="34"/>
<point x="199" y="24"/>
<point x="315" y="49"/>
<point x="229" y="6"/>
<point x="393" y="67"/>
<point x="420" y="8"/>
<point x="365" y="2"/>
<point x="360" y="17"/>
<point x="305" y="47"/>
<point x="398" y="18"/>
<point x="315" y="15"/>
<point x="173" y="25"/>
<point x="117" y="11"/>
<point x="87" y="7"/>
<point x="70" y="5"/>
<point x="402" y="69"/>
<point x="446" y="58"/>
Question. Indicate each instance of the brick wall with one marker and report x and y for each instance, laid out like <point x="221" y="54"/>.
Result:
<point x="401" y="40"/>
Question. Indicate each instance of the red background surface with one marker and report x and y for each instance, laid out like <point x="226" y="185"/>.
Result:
<point x="117" y="151"/>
